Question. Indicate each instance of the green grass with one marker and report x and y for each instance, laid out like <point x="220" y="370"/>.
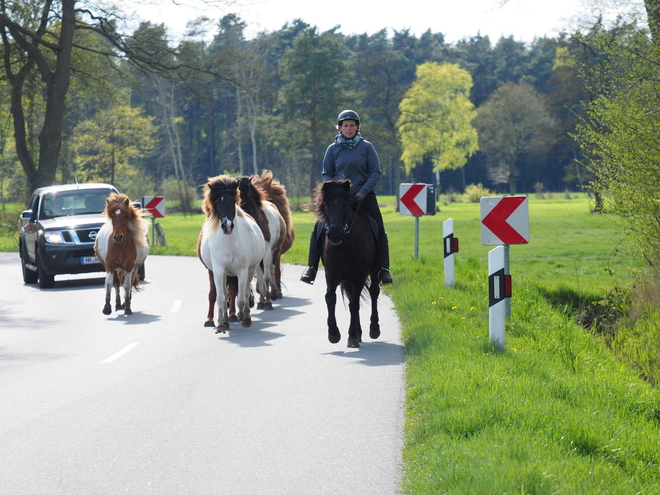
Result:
<point x="555" y="411"/>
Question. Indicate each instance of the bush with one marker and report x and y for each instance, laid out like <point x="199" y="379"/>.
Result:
<point x="474" y="192"/>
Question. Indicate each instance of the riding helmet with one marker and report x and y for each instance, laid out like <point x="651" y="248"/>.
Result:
<point x="348" y="115"/>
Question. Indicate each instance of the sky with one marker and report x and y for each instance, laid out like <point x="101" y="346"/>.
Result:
<point x="525" y="20"/>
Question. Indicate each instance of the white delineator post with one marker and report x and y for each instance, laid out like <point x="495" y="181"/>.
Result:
<point x="499" y="290"/>
<point x="450" y="247"/>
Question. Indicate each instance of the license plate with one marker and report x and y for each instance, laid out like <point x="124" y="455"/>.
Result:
<point x="89" y="260"/>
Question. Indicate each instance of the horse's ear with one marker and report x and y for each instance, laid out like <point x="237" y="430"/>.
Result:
<point x="127" y="201"/>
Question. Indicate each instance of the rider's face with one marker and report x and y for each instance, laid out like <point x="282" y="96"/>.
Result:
<point x="348" y="128"/>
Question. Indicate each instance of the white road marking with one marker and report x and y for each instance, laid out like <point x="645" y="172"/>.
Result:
<point x="119" y="354"/>
<point x="176" y="306"/>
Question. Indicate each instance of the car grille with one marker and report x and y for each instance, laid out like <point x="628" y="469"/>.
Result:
<point x="83" y="234"/>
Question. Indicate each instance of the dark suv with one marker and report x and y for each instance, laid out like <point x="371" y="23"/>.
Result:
<point x="57" y="231"/>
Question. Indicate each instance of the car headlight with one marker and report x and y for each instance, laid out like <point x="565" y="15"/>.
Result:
<point x="54" y="237"/>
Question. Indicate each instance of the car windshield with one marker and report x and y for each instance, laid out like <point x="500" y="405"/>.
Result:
<point x="73" y="203"/>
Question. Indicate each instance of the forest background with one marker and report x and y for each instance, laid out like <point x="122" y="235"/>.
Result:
<point x="82" y="99"/>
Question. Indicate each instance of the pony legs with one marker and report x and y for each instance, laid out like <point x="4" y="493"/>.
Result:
<point x="354" y="329"/>
<point x="221" y="301"/>
<point x="331" y="302"/>
<point x="242" y="298"/>
<point x="109" y="276"/>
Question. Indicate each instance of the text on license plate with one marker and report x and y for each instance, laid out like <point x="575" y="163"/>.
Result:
<point x="89" y="260"/>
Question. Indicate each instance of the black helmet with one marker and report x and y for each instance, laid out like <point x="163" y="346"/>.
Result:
<point x="348" y="115"/>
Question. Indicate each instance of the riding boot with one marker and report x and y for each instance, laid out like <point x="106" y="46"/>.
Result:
<point x="309" y="275"/>
<point x="384" y="275"/>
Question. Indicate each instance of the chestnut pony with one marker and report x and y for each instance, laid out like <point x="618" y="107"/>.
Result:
<point x="349" y="258"/>
<point x="121" y="246"/>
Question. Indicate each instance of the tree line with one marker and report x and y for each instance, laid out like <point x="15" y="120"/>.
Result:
<point x="85" y="99"/>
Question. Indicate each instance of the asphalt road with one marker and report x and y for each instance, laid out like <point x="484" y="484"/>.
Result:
<point x="156" y="403"/>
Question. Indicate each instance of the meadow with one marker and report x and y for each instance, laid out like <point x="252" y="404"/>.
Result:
<point x="557" y="410"/>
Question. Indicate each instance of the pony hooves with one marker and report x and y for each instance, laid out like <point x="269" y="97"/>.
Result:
<point x="128" y="312"/>
<point x="222" y="328"/>
<point x="374" y="332"/>
<point x="260" y="305"/>
<point x="233" y="318"/>
<point x="107" y="309"/>
<point x="353" y="342"/>
<point x="334" y="338"/>
<point x="209" y="323"/>
<point x="268" y="306"/>
<point x="247" y="323"/>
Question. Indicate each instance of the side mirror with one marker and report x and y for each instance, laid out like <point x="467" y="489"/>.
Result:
<point x="27" y="215"/>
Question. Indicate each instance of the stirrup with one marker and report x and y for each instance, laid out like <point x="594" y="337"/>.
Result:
<point x="309" y="275"/>
<point x="385" y="276"/>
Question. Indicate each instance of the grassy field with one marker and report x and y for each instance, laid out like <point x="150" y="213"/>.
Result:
<point x="555" y="411"/>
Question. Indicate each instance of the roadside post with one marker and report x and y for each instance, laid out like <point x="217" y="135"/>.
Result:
<point x="155" y="208"/>
<point x="450" y="246"/>
<point x="504" y="221"/>
<point x="416" y="199"/>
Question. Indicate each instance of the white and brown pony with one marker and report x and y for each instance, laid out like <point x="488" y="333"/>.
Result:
<point x="230" y="244"/>
<point x="122" y="247"/>
<point x="253" y="202"/>
<point x="275" y="192"/>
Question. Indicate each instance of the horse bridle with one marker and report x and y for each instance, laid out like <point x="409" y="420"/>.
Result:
<point x="346" y="229"/>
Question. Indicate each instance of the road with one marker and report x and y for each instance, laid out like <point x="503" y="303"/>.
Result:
<point x="156" y="403"/>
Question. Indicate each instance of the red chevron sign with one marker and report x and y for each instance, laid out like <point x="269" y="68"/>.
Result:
<point x="504" y="220"/>
<point x="413" y="199"/>
<point x="155" y="205"/>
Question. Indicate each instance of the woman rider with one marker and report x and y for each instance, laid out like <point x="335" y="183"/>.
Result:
<point x="352" y="157"/>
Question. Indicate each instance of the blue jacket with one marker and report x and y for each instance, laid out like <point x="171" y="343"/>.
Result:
<point x="359" y="164"/>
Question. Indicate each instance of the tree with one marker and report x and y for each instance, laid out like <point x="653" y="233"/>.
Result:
<point x="513" y="122"/>
<point x="436" y="116"/>
<point x="313" y="69"/>
<point x="46" y="36"/>
<point x="109" y="146"/>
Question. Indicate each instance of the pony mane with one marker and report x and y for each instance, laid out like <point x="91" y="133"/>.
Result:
<point x="328" y="190"/>
<point x="218" y="183"/>
<point x="137" y="227"/>
<point x="276" y="194"/>
<point x="251" y="198"/>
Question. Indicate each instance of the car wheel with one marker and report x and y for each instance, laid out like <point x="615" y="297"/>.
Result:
<point x="29" y="277"/>
<point x="45" y="281"/>
<point x="141" y="272"/>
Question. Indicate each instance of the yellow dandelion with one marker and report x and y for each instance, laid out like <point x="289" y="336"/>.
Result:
<point x="434" y="303"/>
<point x="473" y="308"/>
<point x="454" y="307"/>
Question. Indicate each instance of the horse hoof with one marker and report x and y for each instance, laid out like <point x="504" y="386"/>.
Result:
<point x="260" y="305"/>
<point x="353" y="342"/>
<point x="128" y="312"/>
<point x="247" y="323"/>
<point x="334" y="338"/>
<point x="268" y="307"/>
<point x="209" y="323"/>
<point x="233" y="318"/>
<point x="107" y="310"/>
<point x="222" y="328"/>
<point x="374" y="332"/>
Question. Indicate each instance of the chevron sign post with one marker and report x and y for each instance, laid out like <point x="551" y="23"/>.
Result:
<point x="504" y="221"/>
<point x="417" y="200"/>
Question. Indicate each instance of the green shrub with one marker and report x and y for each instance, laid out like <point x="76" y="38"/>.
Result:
<point x="474" y="192"/>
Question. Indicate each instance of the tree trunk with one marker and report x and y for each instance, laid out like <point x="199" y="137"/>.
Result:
<point x="50" y="138"/>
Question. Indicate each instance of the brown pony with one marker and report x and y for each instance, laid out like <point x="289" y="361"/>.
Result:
<point x="122" y="246"/>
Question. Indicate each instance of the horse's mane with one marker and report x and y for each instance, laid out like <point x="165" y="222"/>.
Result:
<point x="328" y="190"/>
<point x="276" y="194"/>
<point x="250" y="200"/>
<point x="218" y="183"/>
<point x="137" y="227"/>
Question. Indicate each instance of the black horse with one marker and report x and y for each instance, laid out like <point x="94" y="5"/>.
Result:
<point x="349" y="257"/>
